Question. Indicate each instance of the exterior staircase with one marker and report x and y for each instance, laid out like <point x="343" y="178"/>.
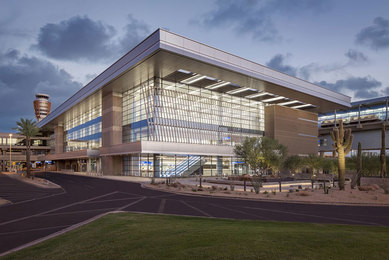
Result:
<point x="185" y="168"/>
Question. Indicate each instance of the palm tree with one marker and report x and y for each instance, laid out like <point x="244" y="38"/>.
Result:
<point x="28" y="128"/>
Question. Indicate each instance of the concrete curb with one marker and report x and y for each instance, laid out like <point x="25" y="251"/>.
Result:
<point x="32" y="182"/>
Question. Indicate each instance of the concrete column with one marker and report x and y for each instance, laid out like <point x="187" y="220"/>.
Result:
<point x="111" y="131"/>
<point x="88" y="165"/>
<point x="58" y="139"/>
<point x="157" y="165"/>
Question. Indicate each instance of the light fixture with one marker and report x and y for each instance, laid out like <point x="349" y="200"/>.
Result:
<point x="272" y="99"/>
<point x="289" y="103"/>
<point x="235" y="91"/>
<point x="218" y="85"/>
<point x="259" y="95"/>
<point x="193" y="79"/>
<point x="301" y="106"/>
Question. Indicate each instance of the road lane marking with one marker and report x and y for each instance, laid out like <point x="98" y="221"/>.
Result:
<point x="52" y="210"/>
<point x="98" y="201"/>
<point x="130" y="204"/>
<point x="31" y="230"/>
<point x="76" y="212"/>
<point x="162" y="205"/>
<point x="162" y="196"/>
<point x="196" y="209"/>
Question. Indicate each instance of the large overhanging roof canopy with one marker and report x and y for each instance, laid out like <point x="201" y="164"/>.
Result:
<point x="175" y="58"/>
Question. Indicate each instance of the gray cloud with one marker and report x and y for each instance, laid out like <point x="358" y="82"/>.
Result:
<point x="375" y="36"/>
<point x="83" y="39"/>
<point x="77" y="38"/>
<point x="278" y="63"/>
<point x="356" y="56"/>
<point x="362" y="87"/>
<point x="21" y="77"/>
<point x="135" y="32"/>
<point x="385" y="91"/>
<point x="256" y="17"/>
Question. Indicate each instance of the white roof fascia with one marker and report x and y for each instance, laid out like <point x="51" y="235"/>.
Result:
<point x="165" y="40"/>
<point x="190" y="48"/>
<point x="137" y="54"/>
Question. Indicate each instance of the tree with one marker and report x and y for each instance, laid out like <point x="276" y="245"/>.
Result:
<point x="273" y="154"/>
<point x="293" y="163"/>
<point x="28" y="128"/>
<point x="313" y="162"/>
<point x="261" y="154"/>
<point x="342" y="142"/>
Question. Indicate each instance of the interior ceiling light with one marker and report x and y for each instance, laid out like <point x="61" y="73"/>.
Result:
<point x="272" y="99"/>
<point x="218" y="85"/>
<point x="235" y="91"/>
<point x="259" y="95"/>
<point x="193" y="79"/>
<point x="301" y="106"/>
<point x="289" y="103"/>
<point x="184" y="71"/>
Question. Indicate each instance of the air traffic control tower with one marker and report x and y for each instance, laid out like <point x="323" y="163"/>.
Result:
<point x="42" y="106"/>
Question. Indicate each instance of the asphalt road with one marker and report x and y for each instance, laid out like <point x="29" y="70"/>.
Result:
<point x="82" y="198"/>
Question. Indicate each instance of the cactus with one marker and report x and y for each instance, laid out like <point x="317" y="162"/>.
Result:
<point x="383" y="153"/>
<point x="342" y="142"/>
<point x="359" y="164"/>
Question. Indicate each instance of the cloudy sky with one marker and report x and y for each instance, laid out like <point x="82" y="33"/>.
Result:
<point x="56" y="47"/>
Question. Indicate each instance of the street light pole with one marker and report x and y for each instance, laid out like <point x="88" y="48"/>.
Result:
<point x="10" y="153"/>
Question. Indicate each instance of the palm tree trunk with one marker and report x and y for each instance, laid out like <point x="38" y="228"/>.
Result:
<point x="28" y="161"/>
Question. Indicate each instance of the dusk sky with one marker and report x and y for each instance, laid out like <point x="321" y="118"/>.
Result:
<point x="56" y="47"/>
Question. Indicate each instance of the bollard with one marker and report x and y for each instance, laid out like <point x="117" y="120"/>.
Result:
<point x="312" y="184"/>
<point x="279" y="182"/>
<point x="200" y="183"/>
<point x="244" y="184"/>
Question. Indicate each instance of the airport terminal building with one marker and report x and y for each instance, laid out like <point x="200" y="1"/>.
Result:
<point x="175" y="107"/>
<point x="364" y="118"/>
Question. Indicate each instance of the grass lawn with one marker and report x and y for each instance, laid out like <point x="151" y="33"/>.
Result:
<point x="142" y="236"/>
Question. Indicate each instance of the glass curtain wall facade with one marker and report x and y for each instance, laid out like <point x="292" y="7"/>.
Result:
<point x="373" y="113"/>
<point x="164" y="111"/>
<point x="82" y="127"/>
<point x="157" y="165"/>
